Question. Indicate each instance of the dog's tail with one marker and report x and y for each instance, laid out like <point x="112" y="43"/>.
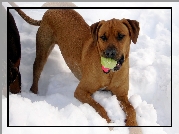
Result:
<point x="24" y="16"/>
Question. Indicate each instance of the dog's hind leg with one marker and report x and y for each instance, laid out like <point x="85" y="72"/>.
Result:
<point x="44" y="45"/>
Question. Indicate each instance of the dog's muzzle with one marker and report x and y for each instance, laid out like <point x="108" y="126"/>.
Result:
<point x="110" y="52"/>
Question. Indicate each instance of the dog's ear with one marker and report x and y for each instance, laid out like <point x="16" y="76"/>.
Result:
<point x="95" y="28"/>
<point x="133" y="27"/>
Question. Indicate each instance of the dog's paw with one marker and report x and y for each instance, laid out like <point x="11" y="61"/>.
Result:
<point x="34" y="90"/>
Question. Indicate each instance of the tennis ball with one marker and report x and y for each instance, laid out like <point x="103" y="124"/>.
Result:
<point x="108" y="62"/>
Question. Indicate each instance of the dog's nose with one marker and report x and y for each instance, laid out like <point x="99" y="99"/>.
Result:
<point x="110" y="52"/>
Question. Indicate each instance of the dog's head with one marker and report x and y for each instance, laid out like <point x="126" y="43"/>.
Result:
<point x="113" y="38"/>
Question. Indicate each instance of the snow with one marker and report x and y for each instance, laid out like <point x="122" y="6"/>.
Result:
<point x="150" y="78"/>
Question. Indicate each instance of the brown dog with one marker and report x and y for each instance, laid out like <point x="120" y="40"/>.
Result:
<point x="82" y="47"/>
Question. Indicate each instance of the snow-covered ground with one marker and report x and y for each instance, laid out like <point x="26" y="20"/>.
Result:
<point x="150" y="77"/>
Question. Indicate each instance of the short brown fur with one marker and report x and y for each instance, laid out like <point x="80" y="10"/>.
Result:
<point x="82" y="47"/>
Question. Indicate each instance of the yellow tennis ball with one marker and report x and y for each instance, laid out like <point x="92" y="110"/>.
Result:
<point x="108" y="62"/>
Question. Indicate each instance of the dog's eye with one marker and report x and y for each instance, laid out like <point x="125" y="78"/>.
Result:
<point x="120" y="36"/>
<point x="104" y="38"/>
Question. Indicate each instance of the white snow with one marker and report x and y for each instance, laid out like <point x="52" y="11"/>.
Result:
<point x="150" y="78"/>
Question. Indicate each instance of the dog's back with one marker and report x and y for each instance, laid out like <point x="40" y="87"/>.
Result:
<point x="71" y="32"/>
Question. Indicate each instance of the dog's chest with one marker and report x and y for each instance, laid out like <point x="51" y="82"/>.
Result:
<point x="106" y="79"/>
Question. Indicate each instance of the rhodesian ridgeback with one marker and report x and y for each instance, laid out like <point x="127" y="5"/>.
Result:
<point x="82" y="47"/>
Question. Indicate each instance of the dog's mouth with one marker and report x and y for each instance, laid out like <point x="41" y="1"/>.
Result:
<point x="116" y="68"/>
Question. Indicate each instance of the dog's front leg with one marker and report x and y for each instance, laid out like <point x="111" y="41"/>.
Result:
<point x="128" y="109"/>
<point x="83" y="93"/>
